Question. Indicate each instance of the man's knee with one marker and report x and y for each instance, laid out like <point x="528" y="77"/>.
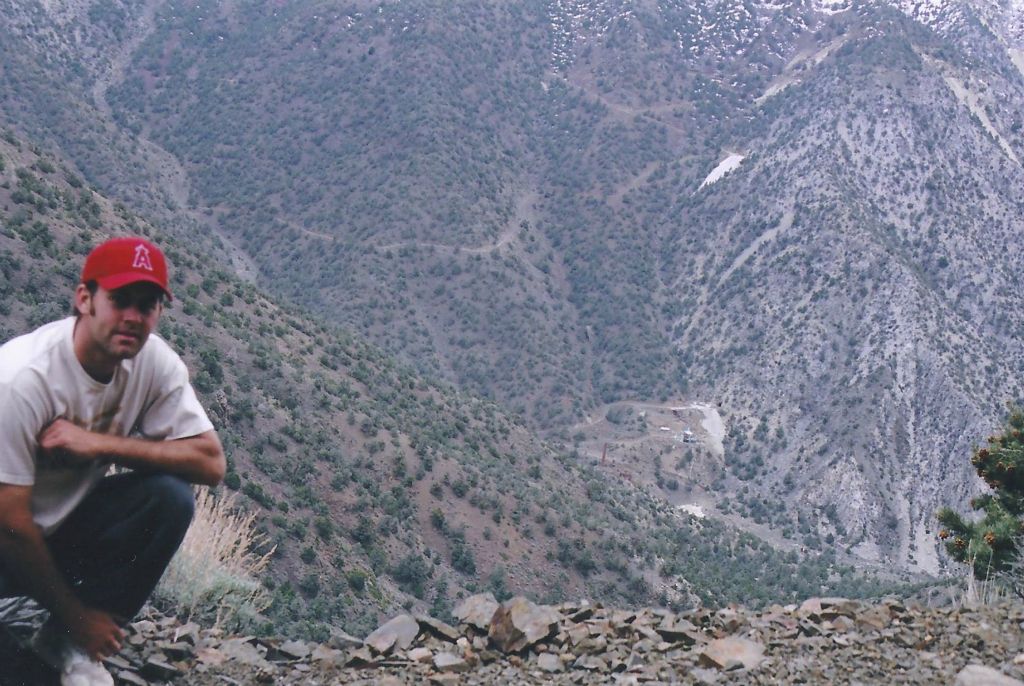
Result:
<point x="174" y="498"/>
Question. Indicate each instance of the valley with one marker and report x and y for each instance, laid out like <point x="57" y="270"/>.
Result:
<point x="736" y="278"/>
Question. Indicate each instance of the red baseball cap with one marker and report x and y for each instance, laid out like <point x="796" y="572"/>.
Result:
<point x="122" y="261"/>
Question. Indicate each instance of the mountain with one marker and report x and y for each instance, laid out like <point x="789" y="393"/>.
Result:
<point x="379" y="488"/>
<point x="803" y="214"/>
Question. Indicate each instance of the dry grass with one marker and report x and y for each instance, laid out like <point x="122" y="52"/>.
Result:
<point x="991" y="590"/>
<point x="215" y="571"/>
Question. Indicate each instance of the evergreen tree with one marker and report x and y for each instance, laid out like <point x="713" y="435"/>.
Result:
<point x="989" y="544"/>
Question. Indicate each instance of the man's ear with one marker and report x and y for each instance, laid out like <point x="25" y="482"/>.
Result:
<point x="82" y="299"/>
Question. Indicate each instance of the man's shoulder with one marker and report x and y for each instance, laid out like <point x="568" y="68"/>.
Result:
<point x="158" y="354"/>
<point x="33" y="350"/>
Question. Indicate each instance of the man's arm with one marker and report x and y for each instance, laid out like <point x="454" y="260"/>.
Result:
<point x="25" y="556"/>
<point x="198" y="459"/>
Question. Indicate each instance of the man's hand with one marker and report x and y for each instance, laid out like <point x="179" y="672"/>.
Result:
<point x="96" y="632"/>
<point x="26" y="558"/>
<point x="61" y="436"/>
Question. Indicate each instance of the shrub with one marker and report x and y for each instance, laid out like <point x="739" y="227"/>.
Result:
<point x="411" y="573"/>
<point x="437" y="519"/>
<point x="356" y="579"/>
<point x="214" y="573"/>
<point x="310" y="585"/>
<point x="462" y="558"/>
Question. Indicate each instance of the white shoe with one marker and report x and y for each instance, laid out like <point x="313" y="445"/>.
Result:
<point x="76" y="668"/>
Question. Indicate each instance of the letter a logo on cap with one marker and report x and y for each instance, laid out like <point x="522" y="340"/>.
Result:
<point x="142" y="258"/>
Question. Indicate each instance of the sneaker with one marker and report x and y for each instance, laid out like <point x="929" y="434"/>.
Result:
<point x="76" y="668"/>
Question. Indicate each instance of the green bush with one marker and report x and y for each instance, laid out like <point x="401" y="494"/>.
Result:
<point x="988" y="545"/>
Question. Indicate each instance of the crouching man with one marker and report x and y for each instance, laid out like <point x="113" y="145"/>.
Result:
<point x="78" y="396"/>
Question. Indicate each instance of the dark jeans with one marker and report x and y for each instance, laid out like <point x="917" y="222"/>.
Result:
<point x="113" y="548"/>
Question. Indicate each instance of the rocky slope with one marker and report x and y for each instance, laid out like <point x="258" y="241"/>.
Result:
<point x="821" y="641"/>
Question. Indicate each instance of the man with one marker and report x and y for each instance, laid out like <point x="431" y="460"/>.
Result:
<point x="77" y="396"/>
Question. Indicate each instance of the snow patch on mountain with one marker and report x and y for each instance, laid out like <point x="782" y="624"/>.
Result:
<point x="1017" y="57"/>
<point x="928" y="12"/>
<point x="727" y="165"/>
<point x="832" y="6"/>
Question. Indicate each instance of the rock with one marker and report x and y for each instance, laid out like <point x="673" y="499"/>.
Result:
<point x="341" y="640"/>
<point x="326" y="655"/>
<point x="729" y="618"/>
<point x="979" y="675"/>
<point x="809" y="628"/>
<point x="877" y="618"/>
<point x="843" y="624"/>
<point x="399" y="632"/>
<point x="294" y="650"/>
<point x="489" y="656"/>
<point x="583" y="614"/>
<point x="175" y="651"/>
<point x="704" y="676"/>
<point x="577" y="634"/>
<point x="211" y="657"/>
<point x="591" y="663"/>
<point x="550" y="662"/>
<point x="675" y="630"/>
<point x="265" y="676"/>
<point x="732" y="653"/>
<point x="125" y="676"/>
<point x="519" y="623"/>
<point x="241" y="650"/>
<point x="143" y="627"/>
<point x="188" y="633"/>
<point x="447" y="662"/>
<point x="646" y="632"/>
<point x="895" y="606"/>
<point x="477" y="610"/>
<point x="421" y="655"/>
<point x="158" y="670"/>
<point x="361" y="657"/>
<point x="813" y="607"/>
<point x="116" y="662"/>
<point x="439" y="629"/>
<point x="592" y="645"/>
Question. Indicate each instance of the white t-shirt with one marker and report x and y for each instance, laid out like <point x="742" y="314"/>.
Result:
<point x="42" y="380"/>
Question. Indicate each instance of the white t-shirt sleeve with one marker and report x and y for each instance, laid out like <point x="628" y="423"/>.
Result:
<point x="176" y="411"/>
<point x="23" y="414"/>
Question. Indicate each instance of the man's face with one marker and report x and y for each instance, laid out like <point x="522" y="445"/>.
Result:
<point x="119" y="321"/>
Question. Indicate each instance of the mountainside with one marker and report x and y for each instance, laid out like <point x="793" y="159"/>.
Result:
<point x="805" y="213"/>
<point x="379" y="488"/>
